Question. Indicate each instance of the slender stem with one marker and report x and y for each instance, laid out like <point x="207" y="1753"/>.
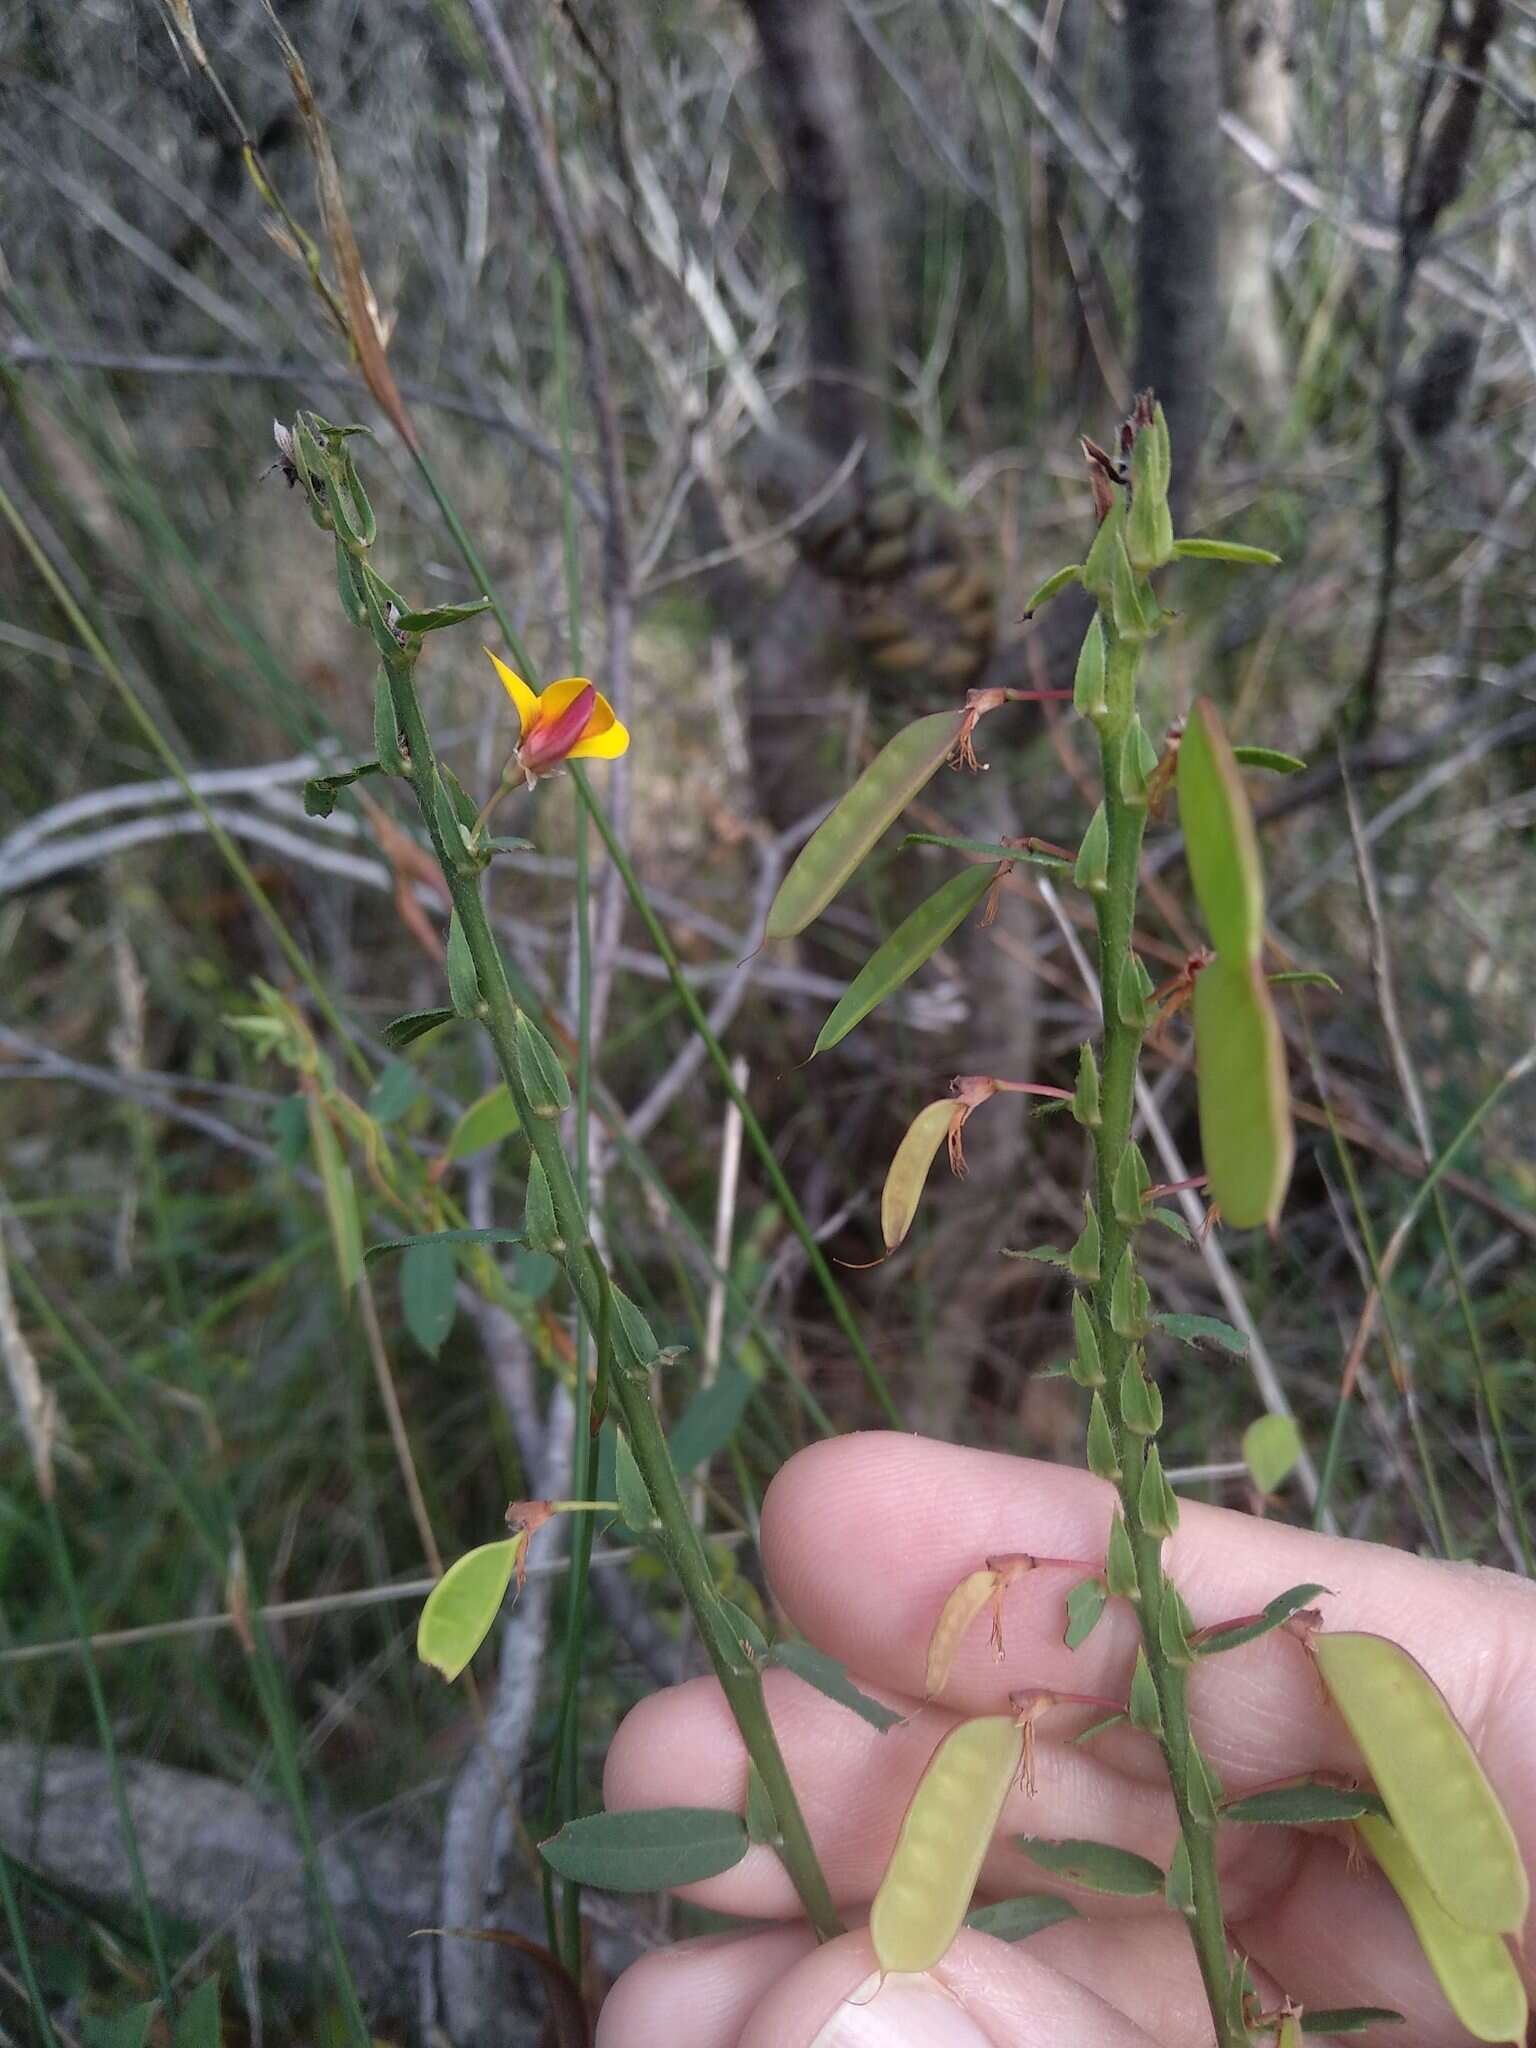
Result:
<point x="738" y="1674"/>
<point x="1123" y="1028"/>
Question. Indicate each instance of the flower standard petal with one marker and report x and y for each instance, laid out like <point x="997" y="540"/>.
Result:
<point x="524" y="702"/>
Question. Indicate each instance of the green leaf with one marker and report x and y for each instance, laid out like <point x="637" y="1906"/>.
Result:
<point x="1224" y="551"/>
<point x="1304" y="977"/>
<point x="876" y="800"/>
<point x="414" y="1024"/>
<point x="464" y="1603"/>
<point x="1279" y="1610"/>
<point x="439" y="615"/>
<point x="289" y="1120"/>
<point x="1087" y="1734"/>
<point x="1271" y="1447"/>
<point x="1170" y="1219"/>
<point x="121" y="2030"/>
<point x="915" y="940"/>
<point x="1096" y="1866"/>
<point x="340" y="1197"/>
<point x="428" y="1276"/>
<point x="745" y="1627"/>
<point x="709" y="1421"/>
<point x="534" y="1273"/>
<point x="637" y="1334"/>
<point x="320" y="790"/>
<point x="1219" y="837"/>
<point x="988" y="849"/>
<point x="1053" y="585"/>
<point x="1041" y="1254"/>
<point x="393" y="1092"/>
<point x="1268" y="757"/>
<point x="463" y="985"/>
<point x="1088" y="698"/>
<point x="402" y="1244"/>
<point x="386" y="733"/>
<point x="1085" y="1603"/>
<point x="540" y="1224"/>
<point x="540" y="1071"/>
<point x="197" y="2025"/>
<point x="1090" y="870"/>
<point x="1244" y="1093"/>
<point x="1204" y="1330"/>
<point x="1295" y="1806"/>
<point x="484" y="1123"/>
<point x="829" y="1677"/>
<point x="648" y="1850"/>
<point x="1349" y="2019"/>
<point x="630" y="1489"/>
<point x="1017" y="1919"/>
<point x="1179" y="1886"/>
<point x="762" y="1823"/>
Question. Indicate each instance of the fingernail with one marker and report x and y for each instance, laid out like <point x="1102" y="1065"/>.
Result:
<point x="899" y="2012"/>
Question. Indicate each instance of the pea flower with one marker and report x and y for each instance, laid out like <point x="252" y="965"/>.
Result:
<point x="569" y="721"/>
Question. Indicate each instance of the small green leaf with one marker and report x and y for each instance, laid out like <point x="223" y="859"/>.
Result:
<point x="1087" y="1359"/>
<point x="1271" y="1447"/>
<point x="539" y="1222"/>
<point x="401" y="1031"/>
<point x="1279" y="1610"/>
<point x="1041" y="1255"/>
<point x="540" y="1071"/>
<point x="340" y="1196"/>
<point x="1120" y="1574"/>
<point x="649" y="1849"/>
<point x="122" y="2030"/>
<point x="1087" y="1734"/>
<point x="320" y="790"/>
<point x="1179" y="1886"/>
<point x="401" y="1244"/>
<point x="1305" y="977"/>
<point x="1268" y="757"/>
<point x="386" y="732"/>
<point x="745" y="1627"/>
<point x="1156" y="1502"/>
<point x="197" y="2024"/>
<point x="1085" y="1097"/>
<point x="1349" y="2019"/>
<point x="1091" y="869"/>
<point x="1295" y="1806"/>
<point x="533" y="1274"/>
<point x="762" y="1822"/>
<point x="1204" y="1330"/>
<point x="1053" y="585"/>
<point x="829" y="1677"/>
<point x="638" y="1337"/>
<point x="633" y="1498"/>
<point x="428" y="1277"/>
<point x="1085" y="1603"/>
<point x="1083" y="1259"/>
<point x="1170" y="1219"/>
<point x="709" y="1421"/>
<point x="484" y="1123"/>
<point x="988" y="849"/>
<point x="290" y="1128"/>
<point x="464" y="1604"/>
<point x="1096" y="1866"/>
<point x="1017" y="1919"/>
<point x="439" y="615"/>
<point x="1144" y="1708"/>
<point x="915" y="941"/>
<point x="393" y="1092"/>
<point x="1102" y="1461"/>
<point x="1088" y="698"/>
<point x="1224" y="551"/>
<point x="837" y="846"/>
<point x="463" y="986"/>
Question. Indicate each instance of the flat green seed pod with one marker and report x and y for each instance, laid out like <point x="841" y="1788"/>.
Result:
<point x="926" y="1891"/>
<point x="1475" y="1971"/>
<point x="909" y="1170"/>
<point x="1244" y="1093"/>
<point x="876" y="800"/>
<point x="1222" y="845"/>
<point x="1426" y="1770"/>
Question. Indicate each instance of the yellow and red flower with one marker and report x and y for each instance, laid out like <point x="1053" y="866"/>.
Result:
<point x="568" y="721"/>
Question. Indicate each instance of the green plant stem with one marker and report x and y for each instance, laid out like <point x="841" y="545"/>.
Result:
<point x="1116" y="912"/>
<point x="18" y="1933"/>
<point x="738" y="1674"/>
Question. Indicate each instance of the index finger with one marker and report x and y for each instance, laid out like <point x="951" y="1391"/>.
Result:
<point x="865" y="1536"/>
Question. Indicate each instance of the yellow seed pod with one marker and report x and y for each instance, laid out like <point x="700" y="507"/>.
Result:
<point x="926" y="1891"/>
<point x="1428" y="1774"/>
<point x="955" y="1617"/>
<point x="1475" y="1971"/>
<point x="909" y="1170"/>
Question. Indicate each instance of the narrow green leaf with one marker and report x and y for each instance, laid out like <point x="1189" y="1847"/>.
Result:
<point x="483" y="1124"/>
<point x="1170" y="1219"/>
<point x="539" y="1222"/>
<point x="1179" y="1886"/>
<point x="1085" y="1603"/>
<point x="988" y="849"/>
<point x="197" y="2024"/>
<point x="1204" y="1330"/>
<point x="428" y="1277"/>
<point x="401" y="1031"/>
<point x="393" y="1093"/>
<point x="320" y="790"/>
<point x="439" y="615"/>
<point x="1268" y="757"/>
<point x="1244" y="1093"/>
<point x="464" y="1604"/>
<point x="709" y="1421"/>
<point x="1279" y="1610"/>
<point x="463" y="985"/>
<point x="386" y="733"/>
<point x="876" y="800"/>
<point x="1053" y="585"/>
<point x="1271" y="1447"/>
<point x="1224" y="551"/>
<point x="745" y="1627"/>
<point x="630" y="1490"/>
<point x="1295" y="1806"/>
<point x="539" y="1069"/>
<point x="1088" y="698"/>
<point x="339" y="1195"/>
<point x="914" y="942"/>
<point x="829" y="1677"/>
<point x="638" y="1337"/>
<point x="1096" y="1866"/>
<point x="1120" y="1574"/>
<point x="649" y="1849"/>
<point x="1083" y="1259"/>
<point x="762" y="1823"/>
<point x="1017" y="1919"/>
<point x="1145" y="1710"/>
<point x="1091" y="869"/>
<point x="1102" y="1461"/>
<point x="121" y="2030"/>
<point x="401" y="1244"/>
<point x="1349" y="2019"/>
<point x="1085" y="1735"/>
<point x="1087" y="1359"/>
<point x="1305" y="977"/>
<point x="1041" y="1255"/>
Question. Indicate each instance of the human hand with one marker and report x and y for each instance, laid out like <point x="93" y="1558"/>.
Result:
<point x="863" y="1537"/>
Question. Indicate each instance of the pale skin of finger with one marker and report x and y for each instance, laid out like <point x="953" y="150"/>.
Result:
<point x="699" y="1994"/>
<point x="865" y="1536"/>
